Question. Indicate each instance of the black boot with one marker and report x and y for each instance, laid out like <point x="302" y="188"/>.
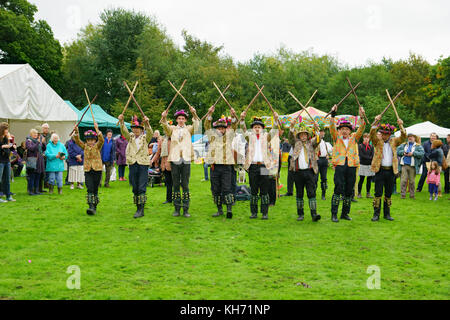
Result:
<point x="376" y="209"/>
<point x="335" y="207"/>
<point x="346" y="209"/>
<point x="91" y="202"/>
<point x="254" y="207"/>
<point x="313" y="207"/>
<point x="219" y="211"/>
<point x="387" y="209"/>
<point x="229" y="200"/>
<point x="140" y="201"/>
<point x="186" y="204"/>
<point x="140" y="211"/>
<point x="324" y="190"/>
<point x="300" y="209"/>
<point x="177" y="204"/>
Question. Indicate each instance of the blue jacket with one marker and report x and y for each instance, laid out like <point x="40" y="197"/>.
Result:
<point x="427" y="147"/>
<point x="54" y="164"/>
<point x="437" y="155"/>
<point x="109" y="151"/>
<point x="418" y="156"/>
<point x="74" y="150"/>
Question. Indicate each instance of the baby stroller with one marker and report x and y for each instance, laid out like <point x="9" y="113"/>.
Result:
<point x="155" y="176"/>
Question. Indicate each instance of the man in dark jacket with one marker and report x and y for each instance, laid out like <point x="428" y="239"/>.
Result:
<point x="446" y="148"/>
<point x="427" y="148"/>
<point x="108" y="155"/>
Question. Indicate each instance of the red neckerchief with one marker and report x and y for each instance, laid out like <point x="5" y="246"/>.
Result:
<point x="257" y="136"/>
<point x="367" y="145"/>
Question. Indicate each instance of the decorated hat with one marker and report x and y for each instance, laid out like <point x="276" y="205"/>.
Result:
<point x="303" y="129"/>
<point x="221" y="123"/>
<point x="229" y="121"/>
<point x="258" y="121"/>
<point x="90" y="135"/>
<point x="387" y="128"/>
<point x="136" y="123"/>
<point x="181" y="113"/>
<point x="345" y="123"/>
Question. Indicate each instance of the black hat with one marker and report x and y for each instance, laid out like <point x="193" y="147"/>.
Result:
<point x="257" y="121"/>
<point x="136" y="123"/>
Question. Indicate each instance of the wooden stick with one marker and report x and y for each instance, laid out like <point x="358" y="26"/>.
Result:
<point x="179" y="93"/>
<point x="385" y="109"/>
<point x="270" y="105"/>
<point x="254" y="99"/>
<point x="218" y="100"/>
<point x="345" y="98"/>
<point x="304" y="107"/>
<point x="90" y="107"/>
<point x="393" y="105"/>
<point x="134" y="99"/>
<point x="176" y="95"/>
<point x="356" y="97"/>
<point x="82" y="116"/>
<point x="129" y="101"/>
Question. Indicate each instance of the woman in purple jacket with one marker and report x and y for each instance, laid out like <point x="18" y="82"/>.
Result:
<point x="35" y="162"/>
<point x="121" y="148"/>
<point x="76" y="164"/>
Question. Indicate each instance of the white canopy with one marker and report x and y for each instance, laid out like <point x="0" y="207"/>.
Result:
<point x="27" y="101"/>
<point x="424" y="130"/>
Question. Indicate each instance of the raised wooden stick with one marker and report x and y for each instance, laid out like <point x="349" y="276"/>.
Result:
<point x="385" y="109"/>
<point x="270" y="105"/>
<point x="254" y="99"/>
<point x="179" y="93"/>
<point x="176" y="95"/>
<point x="82" y="116"/>
<point x="218" y="100"/>
<point x="343" y="99"/>
<point x="129" y="101"/>
<point x="90" y="107"/>
<point x="134" y="99"/>
<point x="393" y="105"/>
<point x="225" y="99"/>
<point x="357" y="100"/>
<point x="304" y="107"/>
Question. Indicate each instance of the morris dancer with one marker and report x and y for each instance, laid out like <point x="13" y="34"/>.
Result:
<point x="93" y="165"/>
<point x="345" y="160"/>
<point x="138" y="159"/>
<point x="221" y="158"/>
<point x="180" y="156"/>
<point x="305" y="167"/>
<point x="385" y="165"/>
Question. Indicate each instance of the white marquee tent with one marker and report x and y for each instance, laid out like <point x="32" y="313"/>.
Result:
<point x="27" y="101"/>
<point x="424" y="130"/>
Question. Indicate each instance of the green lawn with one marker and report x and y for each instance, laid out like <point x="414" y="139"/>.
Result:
<point x="162" y="257"/>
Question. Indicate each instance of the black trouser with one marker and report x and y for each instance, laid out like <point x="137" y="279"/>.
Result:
<point x="92" y="179"/>
<point x="423" y="177"/>
<point x="233" y="181"/>
<point x="273" y="191"/>
<point x="322" y="164"/>
<point x="169" y="185"/>
<point x="384" y="179"/>
<point x="181" y="174"/>
<point x="122" y="170"/>
<point x="305" y="179"/>
<point x="446" y="177"/>
<point x="139" y="182"/>
<point x="221" y="184"/>
<point x="344" y="181"/>
<point x="290" y="178"/>
<point x="33" y="180"/>
<point x="361" y="182"/>
<point x="259" y="184"/>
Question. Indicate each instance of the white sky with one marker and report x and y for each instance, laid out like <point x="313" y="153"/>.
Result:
<point x="354" y="31"/>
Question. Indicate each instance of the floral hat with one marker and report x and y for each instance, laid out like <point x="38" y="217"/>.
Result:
<point x="181" y="113"/>
<point x="387" y="128"/>
<point x="345" y="123"/>
<point x="221" y="123"/>
<point x="258" y="121"/>
<point x="136" y="123"/>
<point x="91" y="135"/>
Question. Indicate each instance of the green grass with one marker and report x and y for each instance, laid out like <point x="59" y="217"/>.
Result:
<point x="162" y="257"/>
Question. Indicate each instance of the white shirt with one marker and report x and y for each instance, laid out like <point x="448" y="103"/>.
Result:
<point x="302" y="164"/>
<point x="346" y="142"/>
<point x="138" y="141"/>
<point x="387" y="155"/>
<point x="258" y="157"/>
<point x="323" y="148"/>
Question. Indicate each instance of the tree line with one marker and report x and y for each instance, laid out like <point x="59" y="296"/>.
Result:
<point x="132" y="46"/>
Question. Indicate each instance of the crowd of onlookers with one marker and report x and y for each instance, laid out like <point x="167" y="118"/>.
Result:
<point x="46" y="158"/>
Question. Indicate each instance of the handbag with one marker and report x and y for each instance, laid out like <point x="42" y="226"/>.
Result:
<point x="31" y="162"/>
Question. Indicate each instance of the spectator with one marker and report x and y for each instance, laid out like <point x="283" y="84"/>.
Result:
<point x="445" y="167"/>
<point x="121" y="148"/>
<point x="108" y="156"/>
<point x="76" y="164"/>
<point x="5" y="165"/>
<point x="16" y="162"/>
<point x="35" y="162"/>
<point x="426" y="160"/>
<point x="21" y="150"/>
<point x="437" y="154"/>
<point x="56" y="154"/>
<point x="411" y="154"/>
<point x="206" y="165"/>
<point x="434" y="180"/>
<point x="166" y="168"/>
<point x="46" y="136"/>
<point x="366" y="152"/>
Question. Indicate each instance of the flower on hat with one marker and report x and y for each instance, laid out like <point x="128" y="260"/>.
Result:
<point x="90" y="133"/>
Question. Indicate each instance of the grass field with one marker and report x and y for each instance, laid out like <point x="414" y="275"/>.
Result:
<point x="162" y="257"/>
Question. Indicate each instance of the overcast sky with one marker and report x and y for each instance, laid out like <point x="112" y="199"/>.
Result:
<point x="353" y="31"/>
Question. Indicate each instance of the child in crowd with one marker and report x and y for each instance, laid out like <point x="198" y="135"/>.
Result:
<point x="433" y="180"/>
